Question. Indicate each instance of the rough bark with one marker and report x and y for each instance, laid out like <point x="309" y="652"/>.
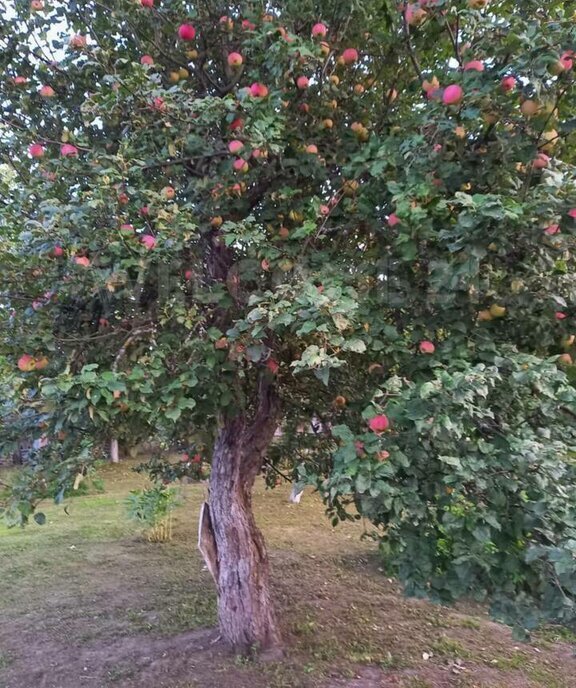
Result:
<point x="245" y="609"/>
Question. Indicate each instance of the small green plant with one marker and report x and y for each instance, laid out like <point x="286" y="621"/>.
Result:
<point x="153" y="508"/>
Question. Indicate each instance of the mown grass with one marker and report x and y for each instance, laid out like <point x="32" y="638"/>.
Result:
<point x="89" y="581"/>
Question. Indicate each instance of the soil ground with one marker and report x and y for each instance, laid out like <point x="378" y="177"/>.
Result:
<point x="86" y="601"/>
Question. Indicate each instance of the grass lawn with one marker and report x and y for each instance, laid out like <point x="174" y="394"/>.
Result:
<point x="85" y="600"/>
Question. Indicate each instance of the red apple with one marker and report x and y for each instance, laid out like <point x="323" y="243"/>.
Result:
<point x="258" y="90"/>
<point x="302" y="82"/>
<point x="235" y="146"/>
<point x="312" y="149"/>
<point x="426" y="347"/>
<point x="148" y="240"/>
<point x="20" y="81"/>
<point x="319" y="30"/>
<point x="393" y="219"/>
<point x="147" y="3"/>
<point x="37" y="5"/>
<point x="379" y="424"/>
<point x="508" y="83"/>
<point x="541" y="161"/>
<point x="237" y="124"/>
<point x="67" y="150"/>
<point x="552" y="229"/>
<point x="452" y="95"/>
<point x="235" y="60"/>
<point x="240" y="165"/>
<point x="349" y="56"/>
<point x="47" y="92"/>
<point x="572" y="213"/>
<point x="272" y="365"/>
<point x="248" y="25"/>
<point x="57" y="251"/>
<point x="36" y="150"/>
<point x="147" y="60"/>
<point x="26" y="363"/>
<point x="559" y="315"/>
<point x="77" y="42"/>
<point x="188" y="275"/>
<point x="83" y="261"/>
<point x="186" y="32"/>
<point x="168" y="192"/>
<point x="474" y="65"/>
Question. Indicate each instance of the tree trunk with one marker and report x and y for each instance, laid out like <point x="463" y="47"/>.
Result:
<point x="114" y="452"/>
<point x="245" y="610"/>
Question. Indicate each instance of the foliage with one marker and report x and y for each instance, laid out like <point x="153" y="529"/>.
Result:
<point x="369" y="249"/>
<point x="153" y="508"/>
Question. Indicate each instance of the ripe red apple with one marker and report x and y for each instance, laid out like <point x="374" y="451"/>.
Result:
<point x="36" y="150"/>
<point x="248" y="25"/>
<point x="541" y="161"/>
<point x="47" y="92"/>
<point x="235" y="146"/>
<point x="26" y="363"/>
<point x="426" y="347"/>
<point x="19" y="81"/>
<point x="186" y="32"/>
<point x="77" y="42"/>
<point x="349" y="56"/>
<point x="83" y="261"/>
<point x="147" y="60"/>
<point x="237" y="124"/>
<point x="103" y="322"/>
<point x="265" y="265"/>
<point x="37" y="5"/>
<point x="147" y="3"/>
<point x="312" y="149"/>
<point x="302" y="82"/>
<point x="559" y="315"/>
<point x="379" y="424"/>
<point x="415" y="15"/>
<point x="319" y="30"/>
<point x="67" y="150"/>
<point x="128" y="228"/>
<point x="552" y="229"/>
<point x="393" y="219"/>
<point x="123" y="198"/>
<point x="57" y="251"/>
<point x="324" y="210"/>
<point x="508" y="83"/>
<point x="149" y="241"/>
<point x="188" y="275"/>
<point x="258" y="90"/>
<point x="382" y="455"/>
<point x="474" y="65"/>
<point x="572" y="213"/>
<point x="240" y="165"/>
<point x="235" y="60"/>
<point x="452" y="95"/>
<point x="272" y="365"/>
<point x="168" y="192"/>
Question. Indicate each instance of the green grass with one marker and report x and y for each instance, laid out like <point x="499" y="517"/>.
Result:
<point x="90" y="580"/>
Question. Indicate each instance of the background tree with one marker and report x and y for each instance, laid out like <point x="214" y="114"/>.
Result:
<point x="224" y="219"/>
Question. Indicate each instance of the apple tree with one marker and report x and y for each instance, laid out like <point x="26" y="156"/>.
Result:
<point x="223" y="220"/>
